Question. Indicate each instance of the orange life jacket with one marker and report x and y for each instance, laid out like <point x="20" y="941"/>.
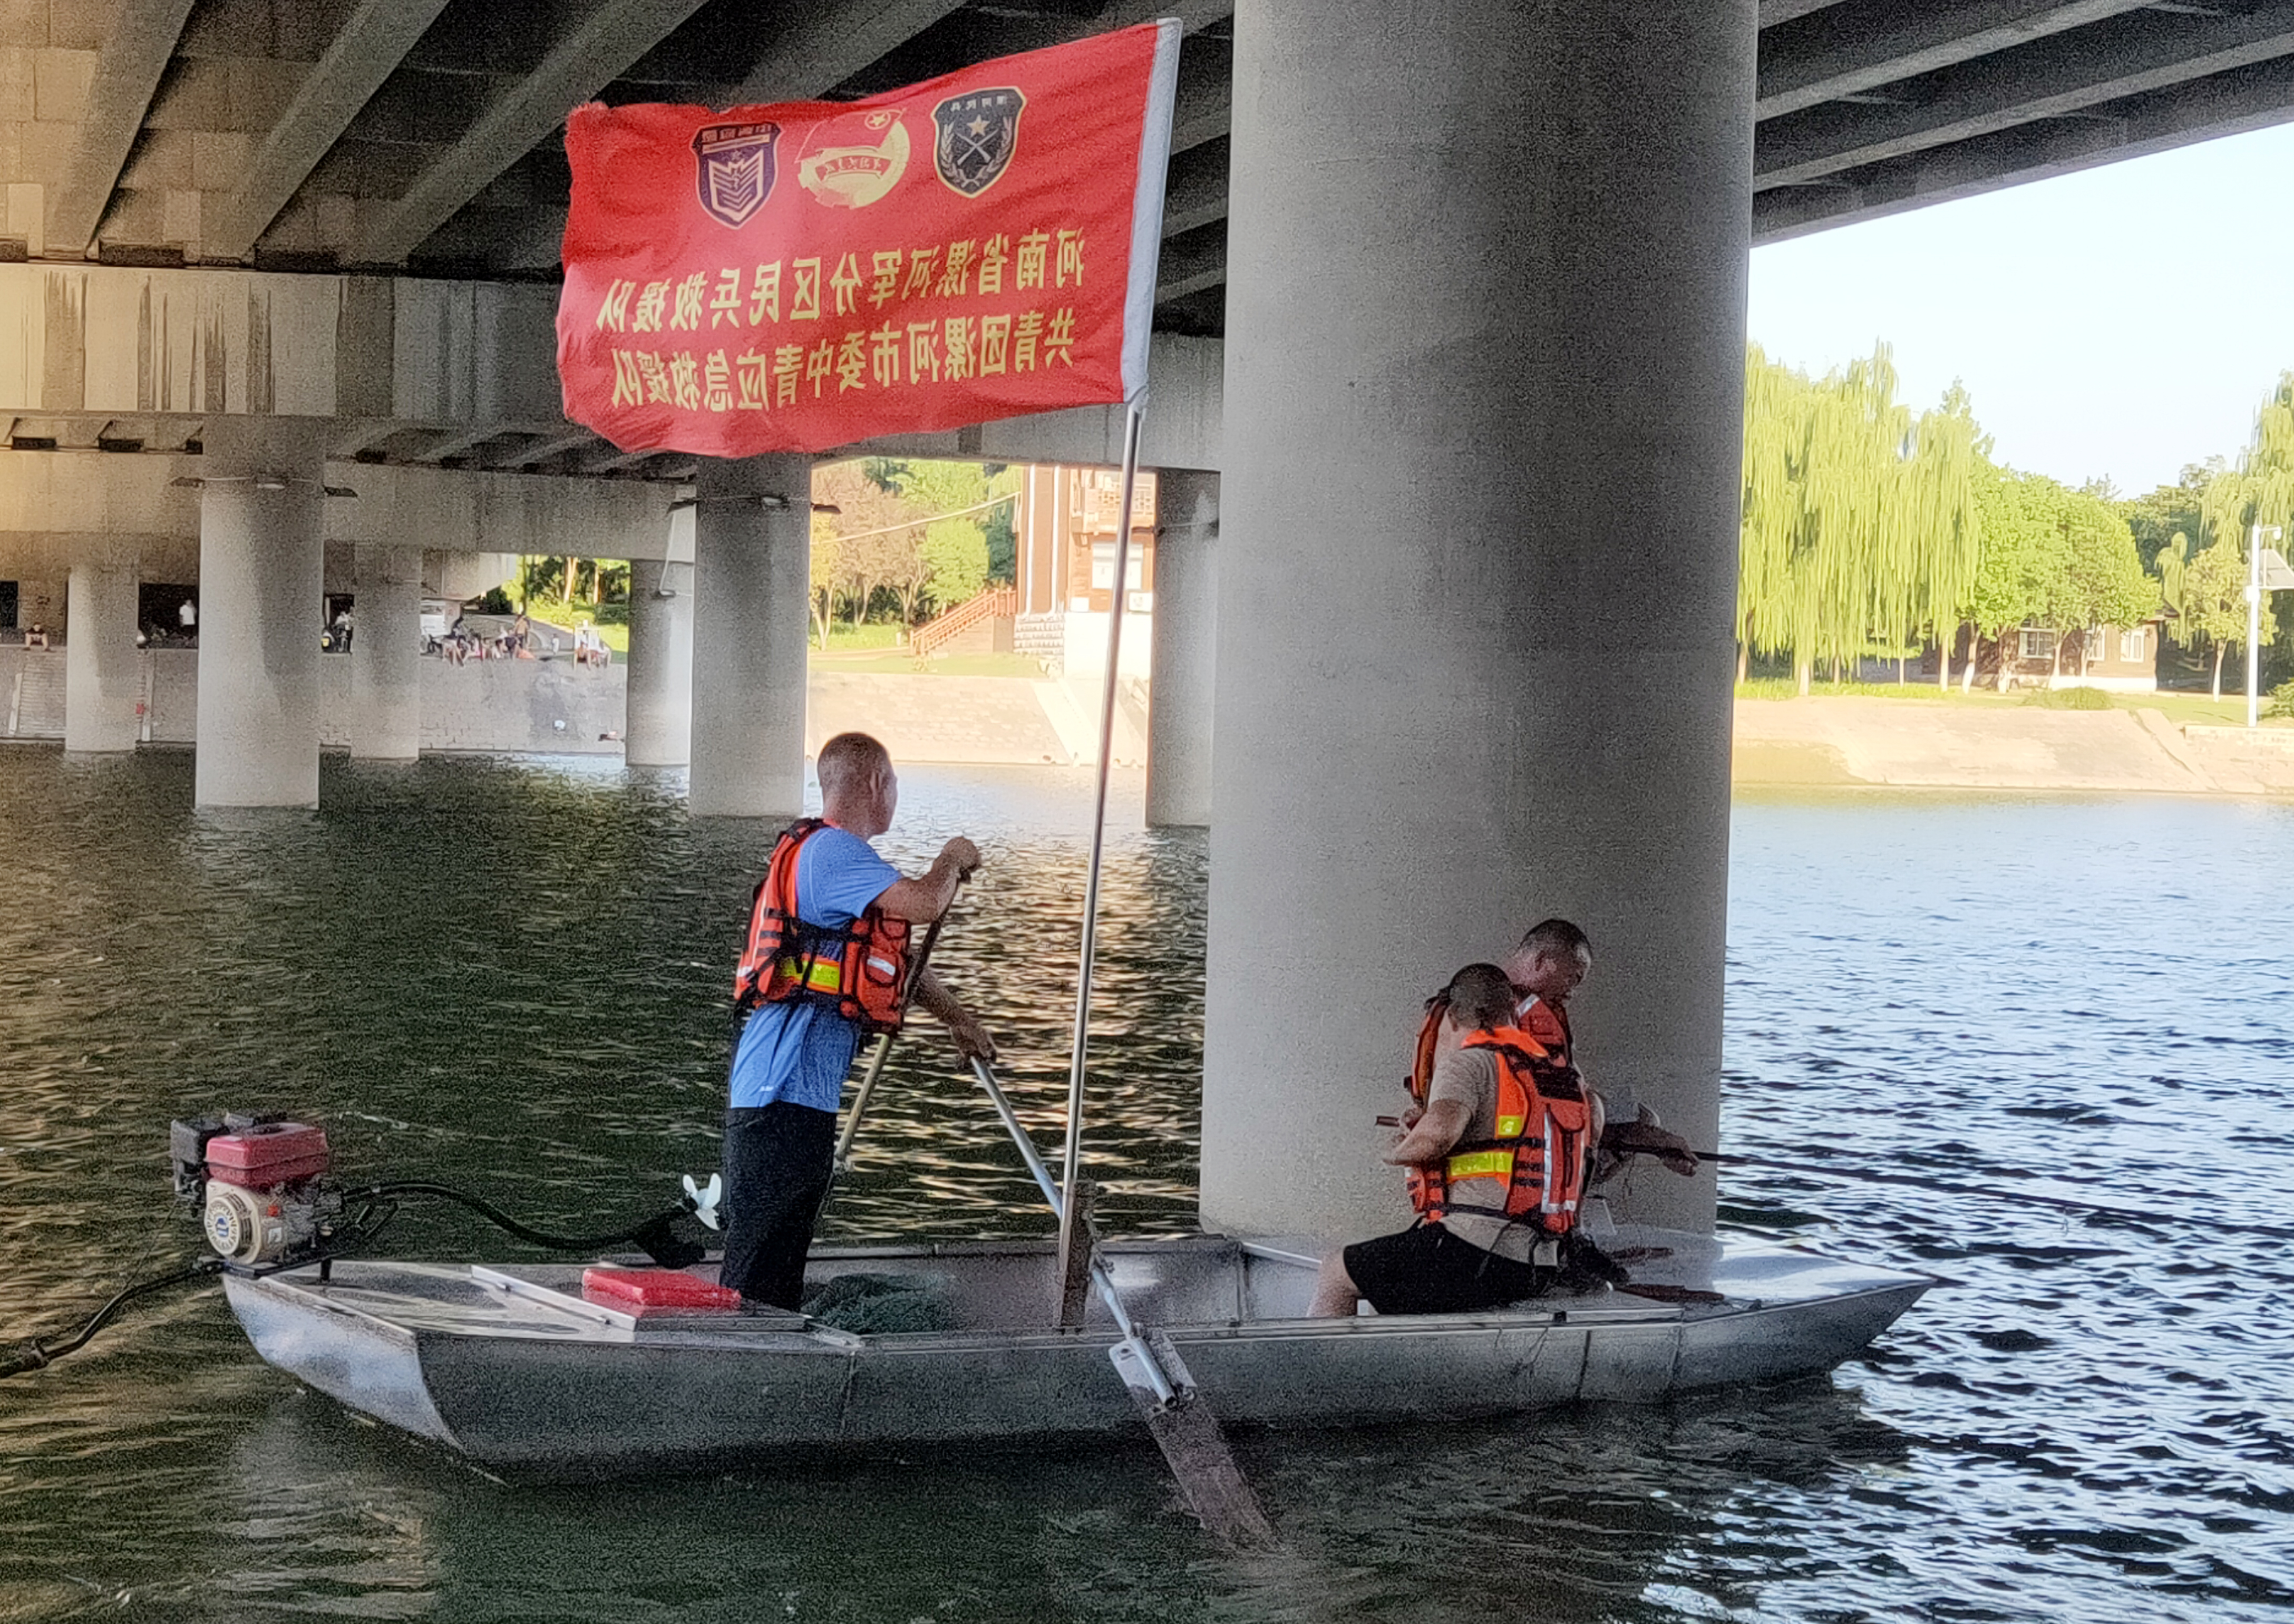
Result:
<point x="861" y="971"/>
<point x="1533" y="1170"/>
<point x="1541" y="1021"/>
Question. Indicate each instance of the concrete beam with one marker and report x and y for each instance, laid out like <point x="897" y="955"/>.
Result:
<point x="371" y="45"/>
<point x="534" y="242"/>
<point x="2127" y="56"/>
<point x="1863" y="51"/>
<point x="1202" y="110"/>
<point x="1774" y="12"/>
<point x="552" y="445"/>
<point x="142" y="39"/>
<point x="464" y="441"/>
<point x="822" y="46"/>
<point x="2232" y="104"/>
<point x="1184" y="426"/>
<point x="1194" y="189"/>
<point x="611" y="37"/>
<point x="1188" y="271"/>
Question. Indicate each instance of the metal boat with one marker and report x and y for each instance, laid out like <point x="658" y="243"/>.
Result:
<point x="524" y="1372"/>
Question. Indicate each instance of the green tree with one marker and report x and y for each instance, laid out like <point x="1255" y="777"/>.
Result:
<point x="953" y="502"/>
<point x="2100" y="581"/>
<point x="1860" y="530"/>
<point x="2214" y="603"/>
<point x="2019" y="517"/>
<point x="867" y="521"/>
<point x="1001" y="523"/>
<point x="2053" y="557"/>
<point x="2169" y="510"/>
<point x="823" y="574"/>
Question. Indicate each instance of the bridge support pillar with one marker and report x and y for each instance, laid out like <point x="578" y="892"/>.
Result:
<point x="658" y="731"/>
<point x="386" y="654"/>
<point x="1186" y="635"/>
<point x="261" y="584"/>
<point x="102" y="675"/>
<point x="1481" y="499"/>
<point x="752" y="583"/>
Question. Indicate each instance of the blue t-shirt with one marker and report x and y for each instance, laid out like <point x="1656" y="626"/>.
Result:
<point x="799" y="1052"/>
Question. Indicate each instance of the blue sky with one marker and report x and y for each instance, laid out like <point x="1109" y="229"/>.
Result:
<point x="2122" y="321"/>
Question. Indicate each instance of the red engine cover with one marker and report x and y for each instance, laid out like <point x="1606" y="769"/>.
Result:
<point x="277" y="1153"/>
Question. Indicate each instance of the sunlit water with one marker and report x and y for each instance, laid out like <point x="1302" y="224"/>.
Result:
<point x="512" y="976"/>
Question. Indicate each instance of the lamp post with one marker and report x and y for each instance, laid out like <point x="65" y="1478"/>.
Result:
<point x="2254" y="619"/>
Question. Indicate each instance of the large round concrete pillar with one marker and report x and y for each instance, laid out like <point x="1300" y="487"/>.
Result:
<point x="261" y="601"/>
<point x="1186" y="633"/>
<point x="1485" y="364"/>
<point x="752" y="576"/>
<point x="103" y="677"/>
<point x="658" y="729"/>
<point x="386" y="654"/>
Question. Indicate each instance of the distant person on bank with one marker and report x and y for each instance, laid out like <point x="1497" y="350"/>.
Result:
<point x="1501" y="1145"/>
<point x="825" y="954"/>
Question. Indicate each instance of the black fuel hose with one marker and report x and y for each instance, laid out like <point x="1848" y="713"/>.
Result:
<point x="34" y="1354"/>
<point x="653" y="1235"/>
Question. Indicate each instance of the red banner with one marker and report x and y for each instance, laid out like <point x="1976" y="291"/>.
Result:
<point x="805" y="275"/>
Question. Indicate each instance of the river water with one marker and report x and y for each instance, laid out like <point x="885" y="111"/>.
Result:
<point x="511" y="975"/>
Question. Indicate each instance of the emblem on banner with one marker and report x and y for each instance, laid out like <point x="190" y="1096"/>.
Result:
<point x="979" y="131"/>
<point x="853" y="160"/>
<point x="733" y="169"/>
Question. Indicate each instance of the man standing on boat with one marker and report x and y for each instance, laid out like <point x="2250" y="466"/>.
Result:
<point x="824" y="961"/>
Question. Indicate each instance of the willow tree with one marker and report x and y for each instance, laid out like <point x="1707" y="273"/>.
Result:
<point x="1857" y="532"/>
<point x="2208" y="586"/>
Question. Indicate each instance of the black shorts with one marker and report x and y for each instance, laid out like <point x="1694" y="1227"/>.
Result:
<point x="1428" y="1271"/>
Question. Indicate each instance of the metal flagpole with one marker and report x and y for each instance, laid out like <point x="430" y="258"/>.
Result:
<point x="1070" y="1208"/>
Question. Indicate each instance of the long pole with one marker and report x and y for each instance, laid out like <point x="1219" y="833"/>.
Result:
<point x="841" y="1163"/>
<point x="1070" y="1162"/>
<point x="2253" y="625"/>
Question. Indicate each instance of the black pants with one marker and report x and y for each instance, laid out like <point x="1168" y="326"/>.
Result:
<point x="778" y="1159"/>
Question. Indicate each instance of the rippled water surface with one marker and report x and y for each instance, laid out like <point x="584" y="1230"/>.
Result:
<point x="511" y="975"/>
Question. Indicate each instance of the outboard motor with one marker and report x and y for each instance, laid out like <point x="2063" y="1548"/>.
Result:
<point x="259" y="1181"/>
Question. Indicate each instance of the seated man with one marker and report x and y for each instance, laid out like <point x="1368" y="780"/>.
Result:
<point x="1498" y="1160"/>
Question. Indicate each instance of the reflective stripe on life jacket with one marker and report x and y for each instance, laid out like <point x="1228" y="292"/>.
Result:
<point x="1532" y="1170"/>
<point x="861" y="971"/>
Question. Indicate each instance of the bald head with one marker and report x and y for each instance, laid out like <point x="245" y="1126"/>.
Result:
<point x="858" y="788"/>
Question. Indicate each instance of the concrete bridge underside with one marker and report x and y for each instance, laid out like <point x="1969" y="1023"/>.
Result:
<point x="1424" y="270"/>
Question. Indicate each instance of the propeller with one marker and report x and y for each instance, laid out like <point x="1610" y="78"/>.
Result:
<point x="702" y="1198"/>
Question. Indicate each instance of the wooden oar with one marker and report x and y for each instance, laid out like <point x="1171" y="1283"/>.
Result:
<point x="842" y="1163"/>
<point x="1178" y="1415"/>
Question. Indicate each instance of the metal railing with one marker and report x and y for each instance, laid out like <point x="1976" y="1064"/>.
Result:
<point x="996" y="603"/>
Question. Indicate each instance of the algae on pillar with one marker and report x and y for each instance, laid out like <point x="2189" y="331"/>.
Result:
<point x="261" y="604"/>
<point x="1485" y="369"/>
<point x="1185" y="649"/>
<point x="751" y="591"/>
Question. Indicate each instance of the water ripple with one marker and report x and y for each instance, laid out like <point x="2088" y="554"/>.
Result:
<point x="512" y="976"/>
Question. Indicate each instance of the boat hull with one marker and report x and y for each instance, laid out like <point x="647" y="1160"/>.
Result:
<point x="513" y="1367"/>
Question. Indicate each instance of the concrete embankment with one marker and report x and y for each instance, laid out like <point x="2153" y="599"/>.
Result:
<point x="558" y="707"/>
<point x="1939" y="744"/>
<point x="1902" y="742"/>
